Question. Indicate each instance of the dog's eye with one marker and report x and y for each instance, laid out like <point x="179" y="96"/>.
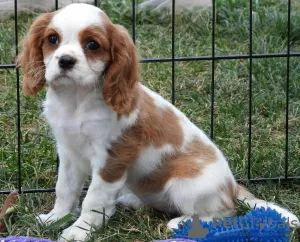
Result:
<point x="53" y="39"/>
<point x="92" y="45"/>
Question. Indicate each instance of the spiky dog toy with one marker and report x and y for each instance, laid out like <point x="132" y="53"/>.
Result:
<point x="259" y="224"/>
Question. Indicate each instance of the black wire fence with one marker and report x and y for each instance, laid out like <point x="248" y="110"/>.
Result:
<point x="250" y="56"/>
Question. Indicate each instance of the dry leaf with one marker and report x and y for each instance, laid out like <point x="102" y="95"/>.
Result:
<point x="9" y="202"/>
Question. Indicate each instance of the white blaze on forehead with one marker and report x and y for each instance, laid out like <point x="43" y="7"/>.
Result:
<point x="77" y="16"/>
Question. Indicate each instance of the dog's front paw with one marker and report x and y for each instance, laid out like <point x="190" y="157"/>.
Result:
<point x="48" y="218"/>
<point x="74" y="233"/>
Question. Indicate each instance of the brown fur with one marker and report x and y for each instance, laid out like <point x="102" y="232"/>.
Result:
<point x="48" y="48"/>
<point x="122" y="74"/>
<point x="156" y="127"/>
<point x="31" y="58"/>
<point x="133" y="104"/>
<point x="187" y="164"/>
<point x="153" y="127"/>
<point x="99" y="35"/>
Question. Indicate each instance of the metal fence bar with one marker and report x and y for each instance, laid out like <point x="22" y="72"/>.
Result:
<point x="221" y="57"/>
<point x="133" y="21"/>
<point x="57" y="157"/>
<point x="287" y="92"/>
<point x="250" y="89"/>
<point x="213" y="53"/>
<point x="7" y="66"/>
<point x="252" y="180"/>
<point x="18" y="101"/>
<point x="199" y="58"/>
<point x="173" y="51"/>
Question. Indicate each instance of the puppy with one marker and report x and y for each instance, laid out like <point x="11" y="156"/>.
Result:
<point x="138" y="148"/>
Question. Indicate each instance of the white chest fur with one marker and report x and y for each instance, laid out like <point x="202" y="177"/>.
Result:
<point x="80" y="121"/>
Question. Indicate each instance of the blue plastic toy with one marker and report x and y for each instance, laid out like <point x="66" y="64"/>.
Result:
<point x="259" y="224"/>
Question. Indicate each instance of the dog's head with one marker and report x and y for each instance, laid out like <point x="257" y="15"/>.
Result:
<point x="79" y="45"/>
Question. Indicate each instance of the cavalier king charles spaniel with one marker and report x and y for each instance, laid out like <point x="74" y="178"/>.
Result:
<point x="137" y="147"/>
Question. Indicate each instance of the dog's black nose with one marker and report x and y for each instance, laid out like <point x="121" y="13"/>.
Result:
<point x="66" y="62"/>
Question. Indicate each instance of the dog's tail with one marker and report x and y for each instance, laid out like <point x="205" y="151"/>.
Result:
<point x="248" y="198"/>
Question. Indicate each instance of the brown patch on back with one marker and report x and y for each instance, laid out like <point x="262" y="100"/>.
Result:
<point x="188" y="164"/>
<point x="153" y="126"/>
<point x="206" y="152"/>
<point x="159" y="126"/>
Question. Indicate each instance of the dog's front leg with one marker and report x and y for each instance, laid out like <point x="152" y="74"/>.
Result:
<point x="100" y="198"/>
<point x="68" y="188"/>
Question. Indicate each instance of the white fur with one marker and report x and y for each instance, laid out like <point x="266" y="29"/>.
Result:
<point x="84" y="126"/>
<point x="150" y="160"/>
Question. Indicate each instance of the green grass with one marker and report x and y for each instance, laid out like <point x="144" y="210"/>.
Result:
<point x="193" y="92"/>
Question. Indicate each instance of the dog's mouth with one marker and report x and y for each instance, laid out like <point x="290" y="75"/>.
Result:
<point x="61" y="78"/>
<point x="63" y="75"/>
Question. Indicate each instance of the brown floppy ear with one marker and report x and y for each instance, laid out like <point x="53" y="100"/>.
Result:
<point x="122" y="73"/>
<point x="31" y="58"/>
